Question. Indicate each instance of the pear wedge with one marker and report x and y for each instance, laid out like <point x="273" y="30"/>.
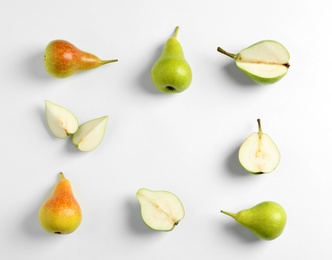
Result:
<point x="161" y="210"/>
<point x="90" y="134"/>
<point x="265" y="62"/>
<point x="60" y="120"/>
<point x="258" y="154"/>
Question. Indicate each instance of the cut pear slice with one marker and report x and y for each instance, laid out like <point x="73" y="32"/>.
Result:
<point x="258" y="153"/>
<point x="60" y="120"/>
<point x="265" y="62"/>
<point x="90" y="134"/>
<point x="161" y="210"/>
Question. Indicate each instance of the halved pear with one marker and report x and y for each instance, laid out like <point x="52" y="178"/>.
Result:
<point x="60" y="120"/>
<point x="265" y="62"/>
<point x="161" y="210"/>
<point x="90" y="134"/>
<point x="258" y="153"/>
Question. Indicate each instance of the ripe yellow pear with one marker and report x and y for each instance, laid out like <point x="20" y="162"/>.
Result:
<point x="60" y="213"/>
<point x="62" y="59"/>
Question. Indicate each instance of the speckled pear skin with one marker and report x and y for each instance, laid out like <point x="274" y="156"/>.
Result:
<point x="171" y="73"/>
<point x="62" y="59"/>
<point x="265" y="220"/>
<point x="61" y="213"/>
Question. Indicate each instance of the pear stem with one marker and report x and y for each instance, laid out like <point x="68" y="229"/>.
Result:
<point x="176" y="32"/>
<point x="233" y="56"/>
<point x="62" y="176"/>
<point x="260" y="131"/>
<point x="228" y="213"/>
<point x="108" y="61"/>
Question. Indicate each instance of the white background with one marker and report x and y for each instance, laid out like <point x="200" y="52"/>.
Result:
<point x="185" y="143"/>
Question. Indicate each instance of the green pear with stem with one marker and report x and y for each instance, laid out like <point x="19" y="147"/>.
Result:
<point x="90" y="134"/>
<point x="265" y="220"/>
<point x="60" y="120"/>
<point x="258" y="154"/>
<point x="62" y="59"/>
<point x="61" y="213"/>
<point x="171" y="73"/>
<point x="161" y="210"/>
<point x="265" y="62"/>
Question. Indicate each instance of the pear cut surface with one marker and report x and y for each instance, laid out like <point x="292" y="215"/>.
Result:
<point x="258" y="153"/>
<point x="60" y="120"/>
<point x="90" y="134"/>
<point x="161" y="210"/>
<point x="267" y="60"/>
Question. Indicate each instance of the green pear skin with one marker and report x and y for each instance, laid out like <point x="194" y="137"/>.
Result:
<point x="171" y="73"/>
<point x="265" y="220"/>
<point x="62" y="59"/>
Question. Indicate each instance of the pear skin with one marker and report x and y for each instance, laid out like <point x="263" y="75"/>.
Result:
<point x="265" y="220"/>
<point x="171" y="73"/>
<point x="62" y="59"/>
<point x="61" y="213"/>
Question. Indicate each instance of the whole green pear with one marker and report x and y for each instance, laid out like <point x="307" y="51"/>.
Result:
<point x="266" y="220"/>
<point x="171" y="73"/>
<point x="62" y="59"/>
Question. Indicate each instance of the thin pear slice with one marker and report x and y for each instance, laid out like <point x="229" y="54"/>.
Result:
<point x="60" y="120"/>
<point x="90" y="134"/>
<point x="258" y="153"/>
<point x="265" y="62"/>
<point x="161" y="210"/>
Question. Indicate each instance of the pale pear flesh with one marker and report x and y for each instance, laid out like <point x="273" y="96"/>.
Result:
<point x="161" y="210"/>
<point x="90" y="134"/>
<point x="265" y="62"/>
<point x="60" y="120"/>
<point x="258" y="154"/>
<point x="265" y="220"/>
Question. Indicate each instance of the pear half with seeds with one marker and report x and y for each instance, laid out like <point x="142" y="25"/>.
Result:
<point x="90" y="134"/>
<point x="258" y="154"/>
<point x="161" y="210"/>
<point x="60" y="120"/>
<point x="265" y="62"/>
